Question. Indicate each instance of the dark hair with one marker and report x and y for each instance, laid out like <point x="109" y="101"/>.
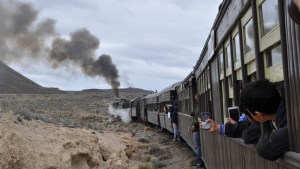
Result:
<point x="260" y="95"/>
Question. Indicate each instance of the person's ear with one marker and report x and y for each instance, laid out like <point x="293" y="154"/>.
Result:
<point x="258" y="116"/>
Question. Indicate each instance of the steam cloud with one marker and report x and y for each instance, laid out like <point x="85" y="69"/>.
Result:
<point x="21" y="34"/>
<point x="123" y="114"/>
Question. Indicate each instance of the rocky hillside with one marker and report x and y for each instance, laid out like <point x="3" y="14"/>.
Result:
<point x="13" y="82"/>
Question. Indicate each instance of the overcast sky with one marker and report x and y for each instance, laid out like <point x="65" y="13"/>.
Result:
<point x="153" y="43"/>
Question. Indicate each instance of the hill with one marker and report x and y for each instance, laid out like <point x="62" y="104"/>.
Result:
<point x="13" y="82"/>
<point x="124" y="90"/>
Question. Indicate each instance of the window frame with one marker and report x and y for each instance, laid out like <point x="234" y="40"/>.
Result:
<point x="249" y="58"/>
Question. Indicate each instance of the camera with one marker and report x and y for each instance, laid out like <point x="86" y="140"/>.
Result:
<point x="204" y="117"/>
<point x="233" y="113"/>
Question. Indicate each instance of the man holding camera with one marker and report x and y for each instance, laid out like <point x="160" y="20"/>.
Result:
<point x="196" y="136"/>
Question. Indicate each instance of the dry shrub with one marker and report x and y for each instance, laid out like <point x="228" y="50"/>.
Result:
<point x="155" y="150"/>
<point x="143" y="140"/>
<point x="146" y="166"/>
<point x="159" y="164"/>
<point x="147" y="128"/>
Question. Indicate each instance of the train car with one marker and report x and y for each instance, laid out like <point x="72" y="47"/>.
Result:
<point x="134" y="108"/>
<point x="186" y="92"/>
<point x="249" y="40"/>
<point x="165" y="97"/>
<point x="152" y="108"/>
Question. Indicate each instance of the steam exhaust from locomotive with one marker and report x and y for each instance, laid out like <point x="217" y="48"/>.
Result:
<point x="123" y="114"/>
<point x="24" y="37"/>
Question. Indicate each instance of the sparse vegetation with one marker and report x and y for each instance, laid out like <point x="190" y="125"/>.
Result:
<point x="78" y="109"/>
<point x="90" y="110"/>
<point x="147" y="165"/>
<point x="155" y="150"/>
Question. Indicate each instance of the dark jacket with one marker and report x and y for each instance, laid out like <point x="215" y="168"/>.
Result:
<point x="251" y="134"/>
<point x="174" y="117"/>
<point x="195" y="114"/>
<point x="273" y="144"/>
<point x="243" y="128"/>
<point x="174" y="112"/>
<point x="195" y="126"/>
<point x="235" y="130"/>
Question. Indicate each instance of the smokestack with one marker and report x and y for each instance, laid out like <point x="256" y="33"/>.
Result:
<point x="21" y="34"/>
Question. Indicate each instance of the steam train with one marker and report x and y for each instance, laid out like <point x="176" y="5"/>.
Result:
<point x="249" y="40"/>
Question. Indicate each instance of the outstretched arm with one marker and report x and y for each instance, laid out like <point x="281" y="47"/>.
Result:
<point x="214" y="127"/>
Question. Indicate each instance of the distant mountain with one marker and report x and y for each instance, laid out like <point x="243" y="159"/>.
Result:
<point x="125" y="90"/>
<point x="13" y="82"/>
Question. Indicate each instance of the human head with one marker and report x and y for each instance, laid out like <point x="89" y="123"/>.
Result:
<point x="259" y="96"/>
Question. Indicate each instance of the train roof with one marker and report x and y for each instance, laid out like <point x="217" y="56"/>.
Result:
<point x="169" y="88"/>
<point x="134" y="99"/>
<point x="152" y="95"/>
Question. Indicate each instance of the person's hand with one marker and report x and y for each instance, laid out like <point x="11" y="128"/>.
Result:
<point x="231" y="121"/>
<point x="214" y="127"/>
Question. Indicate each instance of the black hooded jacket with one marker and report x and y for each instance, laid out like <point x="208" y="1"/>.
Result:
<point x="273" y="144"/>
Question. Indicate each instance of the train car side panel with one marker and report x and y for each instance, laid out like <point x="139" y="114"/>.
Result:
<point x="185" y="123"/>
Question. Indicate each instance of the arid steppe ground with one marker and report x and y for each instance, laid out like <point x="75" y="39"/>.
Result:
<point x="75" y="130"/>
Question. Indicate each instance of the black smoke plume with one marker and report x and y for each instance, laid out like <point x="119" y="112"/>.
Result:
<point x="80" y="51"/>
<point x="22" y="34"/>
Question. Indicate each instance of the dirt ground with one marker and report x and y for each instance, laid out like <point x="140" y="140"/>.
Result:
<point x="75" y="130"/>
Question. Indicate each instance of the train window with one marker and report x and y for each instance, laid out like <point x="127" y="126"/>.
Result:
<point x="273" y="64"/>
<point x="269" y="31"/>
<point x="230" y="89"/>
<point x="223" y="99"/>
<point x="269" y="16"/>
<point x="228" y="56"/>
<point x="236" y="48"/>
<point x="248" y="36"/>
<point x="236" y="55"/>
<point x="248" y="42"/>
<point x="269" y="42"/>
<point x="229" y="82"/>
<point x="221" y="63"/>
<point x="208" y="78"/>
<point x="252" y="77"/>
<point x="274" y="56"/>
